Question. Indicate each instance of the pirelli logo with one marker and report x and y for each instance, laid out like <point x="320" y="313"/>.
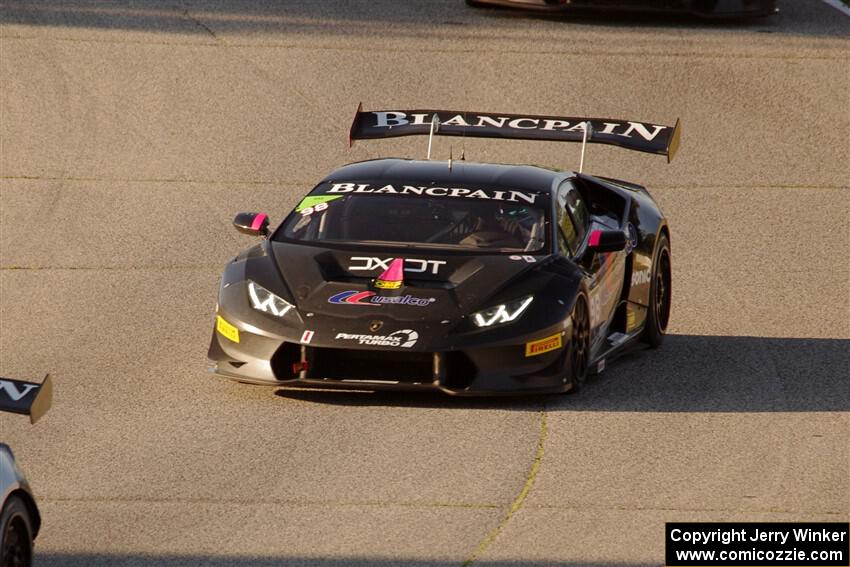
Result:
<point x="543" y="345"/>
<point x="226" y="329"/>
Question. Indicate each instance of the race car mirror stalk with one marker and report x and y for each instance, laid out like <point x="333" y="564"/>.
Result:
<point x="255" y="224"/>
<point x="606" y="241"/>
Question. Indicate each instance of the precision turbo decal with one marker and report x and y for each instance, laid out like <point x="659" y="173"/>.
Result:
<point x="543" y="345"/>
<point x="511" y="196"/>
<point x="352" y="297"/>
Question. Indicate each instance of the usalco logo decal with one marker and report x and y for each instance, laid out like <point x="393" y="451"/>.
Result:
<point x="353" y="297"/>
<point x="404" y="338"/>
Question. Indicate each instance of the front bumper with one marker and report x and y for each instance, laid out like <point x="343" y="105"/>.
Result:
<point x="477" y="371"/>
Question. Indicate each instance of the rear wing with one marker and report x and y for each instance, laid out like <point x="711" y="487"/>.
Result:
<point x="26" y="398"/>
<point x="629" y="134"/>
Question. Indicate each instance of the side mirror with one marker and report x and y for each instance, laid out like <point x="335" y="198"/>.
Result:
<point x="606" y="241"/>
<point x="255" y="224"/>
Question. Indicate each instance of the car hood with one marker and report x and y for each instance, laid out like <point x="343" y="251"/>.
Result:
<point x="436" y="286"/>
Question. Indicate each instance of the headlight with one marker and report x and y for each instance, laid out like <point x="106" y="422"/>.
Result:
<point x="504" y="313"/>
<point x="267" y="302"/>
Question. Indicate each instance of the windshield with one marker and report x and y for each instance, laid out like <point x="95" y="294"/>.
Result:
<point x="447" y="218"/>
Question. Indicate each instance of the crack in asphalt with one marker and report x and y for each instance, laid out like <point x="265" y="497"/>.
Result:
<point x="520" y="498"/>
<point x="200" y="24"/>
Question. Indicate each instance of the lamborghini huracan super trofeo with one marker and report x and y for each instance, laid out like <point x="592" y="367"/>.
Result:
<point x="467" y="278"/>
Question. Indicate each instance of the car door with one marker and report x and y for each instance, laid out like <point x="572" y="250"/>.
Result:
<point x="605" y="271"/>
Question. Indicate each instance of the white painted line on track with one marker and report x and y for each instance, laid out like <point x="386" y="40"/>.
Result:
<point x="839" y="5"/>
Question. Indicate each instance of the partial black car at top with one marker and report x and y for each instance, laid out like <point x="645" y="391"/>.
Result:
<point x="702" y="8"/>
<point x="467" y="278"/>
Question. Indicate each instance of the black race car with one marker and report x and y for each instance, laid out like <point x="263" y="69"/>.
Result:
<point x="702" y="8"/>
<point x="468" y="278"/>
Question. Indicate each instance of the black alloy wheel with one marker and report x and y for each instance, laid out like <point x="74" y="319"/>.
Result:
<point x="579" y="344"/>
<point x="660" y="295"/>
<point x="15" y="534"/>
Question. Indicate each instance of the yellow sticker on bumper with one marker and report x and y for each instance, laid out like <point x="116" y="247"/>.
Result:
<point x="543" y="345"/>
<point x="227" y="330"/>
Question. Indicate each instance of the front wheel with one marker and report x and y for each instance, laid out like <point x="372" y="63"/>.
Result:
<point x="15" y="534"/>
<point x="659" y="295"/>
<point x="579" y="356"/>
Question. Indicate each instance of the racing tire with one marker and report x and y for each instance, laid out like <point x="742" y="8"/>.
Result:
<point x="15" y="534"/>
<point x="659" y="295"/>
<point x="579" y="355"/>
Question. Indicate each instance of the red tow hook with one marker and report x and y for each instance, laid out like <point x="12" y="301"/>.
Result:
<point x="300" y="367"/>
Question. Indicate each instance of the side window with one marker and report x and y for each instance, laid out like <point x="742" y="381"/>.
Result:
<point x="562" y="242"/>
<point x="572" y="215"/>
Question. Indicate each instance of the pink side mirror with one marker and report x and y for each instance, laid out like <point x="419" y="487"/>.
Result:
<point x="606" y="241"/>
<point x="255" y="224"/>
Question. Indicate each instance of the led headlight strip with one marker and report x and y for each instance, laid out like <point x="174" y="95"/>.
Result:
<point x="267" y="302"/>
<point x="504" y="313"/>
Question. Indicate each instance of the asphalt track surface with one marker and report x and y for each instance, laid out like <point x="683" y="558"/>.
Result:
<point x="132" y="132"/>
